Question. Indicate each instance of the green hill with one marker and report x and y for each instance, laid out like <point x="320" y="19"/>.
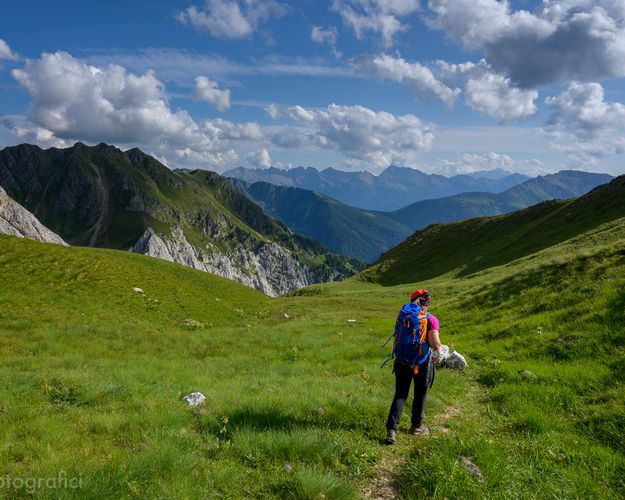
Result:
<point x="92" y="372"/>
<point x="104" y="197"/>
<point x="468" y="246"/>
<point x="562" y="185"/>
<point x="340" y="228"/>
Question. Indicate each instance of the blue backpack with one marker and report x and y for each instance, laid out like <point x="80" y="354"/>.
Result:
<point x="411" y="331"/>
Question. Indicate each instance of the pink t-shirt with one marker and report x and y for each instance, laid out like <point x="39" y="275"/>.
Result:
<point x="432" y="323"/>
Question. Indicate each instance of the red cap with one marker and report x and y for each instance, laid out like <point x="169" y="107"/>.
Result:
<point x="418" y="293"/>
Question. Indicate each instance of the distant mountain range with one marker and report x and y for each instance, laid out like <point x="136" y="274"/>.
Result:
<point x="562" y="185"/>
<point x="102" y="196"/>
<point x="394" y="188"/>
<point x="365" y="234"/>
<point x="468" y="246"/>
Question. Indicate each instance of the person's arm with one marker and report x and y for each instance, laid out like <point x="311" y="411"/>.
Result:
<point x="434" y="340"/>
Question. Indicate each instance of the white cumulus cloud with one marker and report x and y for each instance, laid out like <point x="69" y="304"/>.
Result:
<point x="485" y="90"/>
<point x="231" y="18"/>
<point x="423" y="84"/>
<point x="367" y="138"/>
<point x="259" y="159"/>
<point x="583" y="111"/>
<point x="209" y="91"/>
<point x="6" y="52"/>
<point x="494" y="95"/>
<point x="561" y="40"/>
<point x="584" y="125"/>
<point x="72" y="100"/>
<point x="382" y="17"/>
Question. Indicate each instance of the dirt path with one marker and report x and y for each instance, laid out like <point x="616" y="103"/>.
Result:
<point x="382" y="485"/>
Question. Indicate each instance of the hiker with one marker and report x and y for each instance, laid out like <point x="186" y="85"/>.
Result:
<point x="424" y="330"/>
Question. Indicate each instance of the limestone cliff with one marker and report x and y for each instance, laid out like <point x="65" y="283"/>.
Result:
<point x="270" y="268"/>
<point x="17" y="221"/>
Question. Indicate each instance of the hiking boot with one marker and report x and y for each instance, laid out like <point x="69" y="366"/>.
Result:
<point x="418" y="431"/>
<point x="390" y="437"/>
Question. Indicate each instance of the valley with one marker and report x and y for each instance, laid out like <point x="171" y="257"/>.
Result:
<point x="94" y="371"/>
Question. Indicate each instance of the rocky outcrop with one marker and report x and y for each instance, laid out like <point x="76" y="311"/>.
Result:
<point x="451" y="359"/>
<point x="17" y="221"/>
<point x="270" y="268"/>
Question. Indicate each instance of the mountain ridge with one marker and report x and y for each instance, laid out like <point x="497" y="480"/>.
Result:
<point x="104" y="197"/>
<point x="394" y="188"/>
<point x="365" y="234"/>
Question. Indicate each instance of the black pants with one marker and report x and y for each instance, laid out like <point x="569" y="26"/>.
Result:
<point x="404" y="375"/>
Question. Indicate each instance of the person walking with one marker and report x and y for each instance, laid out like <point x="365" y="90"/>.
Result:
<point x="420" y="370"/>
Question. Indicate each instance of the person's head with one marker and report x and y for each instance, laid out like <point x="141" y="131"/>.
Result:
<point x="421" y="297"/>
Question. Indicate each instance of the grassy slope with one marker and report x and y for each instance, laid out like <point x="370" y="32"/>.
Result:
<point x="99" y="394"/>
<point x="342" y="229"/>
<point x="465" y="247"/>
<point x="93" y="374"/>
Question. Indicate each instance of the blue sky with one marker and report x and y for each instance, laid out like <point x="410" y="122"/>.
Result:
<point x="445" y="86"/>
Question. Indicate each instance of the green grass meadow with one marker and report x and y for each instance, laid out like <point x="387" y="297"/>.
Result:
<point x="93" y="373"/>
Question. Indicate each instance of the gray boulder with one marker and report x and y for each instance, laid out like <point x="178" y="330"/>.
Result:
<point x="451" y="359"/>
<point x="195" y="398"/>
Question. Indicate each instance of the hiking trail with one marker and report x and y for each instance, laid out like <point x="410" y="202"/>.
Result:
<point x="382" y="485"/>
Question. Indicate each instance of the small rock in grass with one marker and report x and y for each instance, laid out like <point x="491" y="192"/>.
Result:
<point x="456" y="360"/>
<point x="138" y="290"/>
<point x="320" y="411"/>
<point x="560" y="340"/>
<point x="471" y="468"/>
<point x="527" y="373"/>
<point x="288" y="467"/>
<point x="195" y="398"/>
<point x="351" y="321"/>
